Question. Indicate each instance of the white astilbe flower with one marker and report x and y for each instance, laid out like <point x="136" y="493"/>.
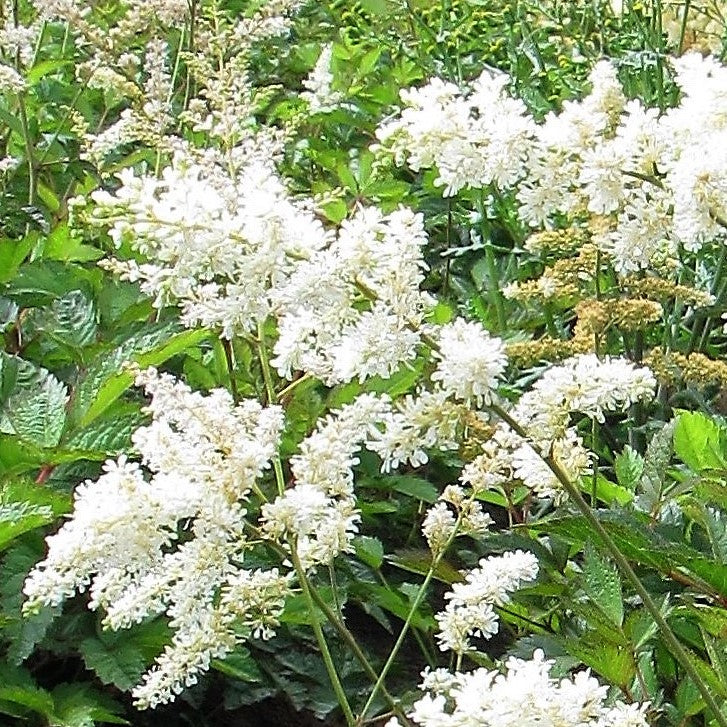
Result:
<point x="168" y="539"/>
<point x="469" y="612"/>
<point x="216" y="245"/>
<point x="10" y="80"/>
<point x="472" y="139"/>
<point x="319" y="513"/>
<point x="440" y="525"/>
<point x="320" y="96"/>
<point x="524" y="695"/>
<point x="328" y="324"/>
<point x="568" y="451"/>
<point x="470" y="361"/>
<point x="583" y="384"/>
<point x="427" y="420"/>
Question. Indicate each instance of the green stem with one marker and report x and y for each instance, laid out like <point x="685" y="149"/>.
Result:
<point x="494" y="283"/>
<point x="321" y="639"/>
<point x="337" y="624"/>
<point x="683" y="29"/>
<point x="230" y="362"/>
<point x="271" y="399"/>
<point x="407" y="624"/>
<point x="667" y="634"/>
<point x="351" y="642"/>
<point x="29" y="152"/>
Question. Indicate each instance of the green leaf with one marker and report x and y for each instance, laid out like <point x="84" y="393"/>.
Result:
<point x="602" y="584"/>
<point x="44" y="68"/>
<point x="17" y="518"/>
<point x="698" y="442"/>
<point x="653" y="477"/>
<point x="419" y="561"/>
<point x="614" y="663"/>
<point x="70" y="319"/>
<point x="629" y="467"/>
<point x="105" y="380"/>
<point x="23" y="632"/>
<point x="36" y="412"/>
<point x="713" y="521"/>
<point x="78" y="705"/>
<point x="651" y="546"/>
<point x="119" y="663"/>
<point x="410" y="485"/>
<point x="12" y="254"/>
<point x="369" y="550"/>
<point x="121" y="657"/>
<point x="240" y="665"/>
<point x="393" y="602"/>
<point x="62" y="245"/>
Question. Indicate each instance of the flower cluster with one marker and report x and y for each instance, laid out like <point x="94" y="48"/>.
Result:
<point x="652" y="181"/>
<point x="318" y="514"/>
<point x="524" y="694"/>
<point x="169" y="538"/>
<point x="216" y="244"/>
<point x="473" y="138"/>
<point x="470" y="611"/>
<point x="583" y="384"/>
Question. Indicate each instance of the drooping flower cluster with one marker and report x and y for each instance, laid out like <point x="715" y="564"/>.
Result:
<point x="583" y="384"/>
<point x="167" y="536"/>
<point x="470" y="611"/>
<point x="525" y="694"/>
<point x="318" y="514"/>
<point x="216" y="245"/>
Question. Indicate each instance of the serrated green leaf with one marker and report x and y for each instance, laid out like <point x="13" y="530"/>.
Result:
<point x="698" y="441"/>
<point x="602" y="584"/>
<point x="70" y="319"/>
<point x="650" y="546"/>
<point x="22" y="632"/>
<point x="121" y="657"/>
<point x="614" y="663"/>
<point x="78" y="705"/>
<point x="105" y="380"/>
<point x="36" y="414"/>
<point x="369" y="550"/>
<point x="628" y="466"/>
<point x="653" y="477"/>
<point x="17" y="518"/>
<point x="712" y="520"/>
<point x="119" y="663"/>
<point x="109" y="434"/>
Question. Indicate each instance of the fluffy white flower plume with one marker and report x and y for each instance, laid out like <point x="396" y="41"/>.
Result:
<point x="654" y="181"/>
<point x="583" y="384"/>
<point x="525" y="694"/>
<point x="470" y="361"/>
<point x="168" y="539"/>
<point x="470" y="611"/>
<point x="319" y="94"/>
<point x="353" y="310"/>
<point x="473" y="139"/>
<point x="217" y="245"/>
<point x="319" y="512"/>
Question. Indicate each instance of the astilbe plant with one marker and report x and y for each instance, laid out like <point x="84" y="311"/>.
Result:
<point x="221" y="522"/>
